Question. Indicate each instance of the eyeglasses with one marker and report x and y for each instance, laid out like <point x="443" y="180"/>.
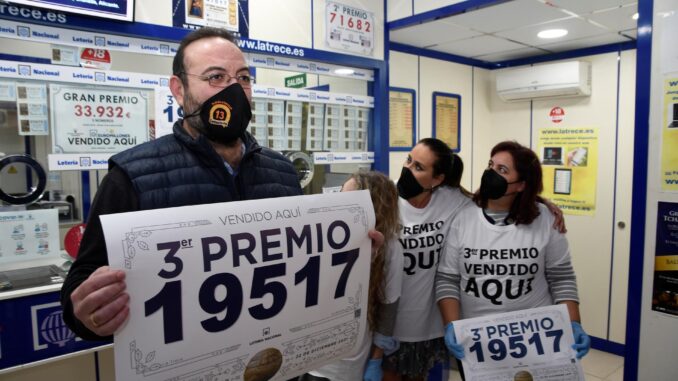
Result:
<point x="222" y="80"/>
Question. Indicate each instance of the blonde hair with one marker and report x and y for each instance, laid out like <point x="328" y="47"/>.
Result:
<point x="384" y="196"/>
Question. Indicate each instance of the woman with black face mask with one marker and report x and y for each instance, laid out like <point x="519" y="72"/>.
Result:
<point x="506" y="216"/>
<point x="430" y="196"/>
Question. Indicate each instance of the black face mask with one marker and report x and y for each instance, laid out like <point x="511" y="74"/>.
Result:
<point x="493" y="186"/>
<point x="408" y="186"/>
<point x="225" y="115"/>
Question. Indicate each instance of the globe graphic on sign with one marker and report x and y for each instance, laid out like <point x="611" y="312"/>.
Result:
<point x="54" y="331"/>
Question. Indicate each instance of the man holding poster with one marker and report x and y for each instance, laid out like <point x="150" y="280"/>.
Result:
<point x="502" y="255"/>
<point x="209" y="158"/>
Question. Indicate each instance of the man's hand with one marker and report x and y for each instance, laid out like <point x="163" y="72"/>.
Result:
<point x="101" y="302"/>
<point x="377" y="240"/>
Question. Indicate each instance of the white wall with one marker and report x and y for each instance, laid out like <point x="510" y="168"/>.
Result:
<point x="600" y="249"/>
<point x="425" y="76"/>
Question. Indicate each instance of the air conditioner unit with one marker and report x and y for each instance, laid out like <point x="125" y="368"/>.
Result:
<point x="564" y="79"/>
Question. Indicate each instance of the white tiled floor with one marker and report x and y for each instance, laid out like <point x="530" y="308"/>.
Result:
<point x="598" y="366"/>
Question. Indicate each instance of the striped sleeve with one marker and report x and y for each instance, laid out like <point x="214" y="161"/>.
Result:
<point x="447" y="286"/>
<point x="562" y="282"/>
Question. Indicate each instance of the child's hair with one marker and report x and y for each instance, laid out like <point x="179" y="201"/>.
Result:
<point x="384" y="196"/>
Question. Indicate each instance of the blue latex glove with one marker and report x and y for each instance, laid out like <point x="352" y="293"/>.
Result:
<point x="387" y="343"/>
<point x="373" y="370"/>
<point x="451" y="342"/>
<point x="582" y="341"/>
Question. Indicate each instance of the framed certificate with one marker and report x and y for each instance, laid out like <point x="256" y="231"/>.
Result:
<point x="402" y="117"/>
<point x="447" y="119"/>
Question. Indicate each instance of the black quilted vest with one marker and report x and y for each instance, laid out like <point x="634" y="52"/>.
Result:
<point x="177" y="170"/>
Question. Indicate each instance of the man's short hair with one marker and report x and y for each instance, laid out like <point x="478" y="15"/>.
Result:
<point x="178" y="67"/>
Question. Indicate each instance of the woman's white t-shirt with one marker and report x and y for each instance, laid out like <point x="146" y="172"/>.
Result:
<point x="421" y="240"/>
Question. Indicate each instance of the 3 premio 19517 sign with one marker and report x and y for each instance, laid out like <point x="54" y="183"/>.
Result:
<point x="533" y="344"/>
<point x="88" y="120"/>
<point x="242" y="290"/>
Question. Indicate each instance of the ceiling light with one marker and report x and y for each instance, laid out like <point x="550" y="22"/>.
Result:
<point x="635" y="16"/>
<point x="552" y="33"/>
<point x="344" y="71"/>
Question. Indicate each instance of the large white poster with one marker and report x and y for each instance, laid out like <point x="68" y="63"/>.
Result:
<point x="534" y="344"/>
<point x="88" y="120"/>
<point x="251" y="290"/>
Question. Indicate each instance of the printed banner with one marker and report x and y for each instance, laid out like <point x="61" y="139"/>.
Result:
<point x="110" y="9"/>
<point x="665" y="291"/>
<point x="87" y="120"/>
<point x="669" y="153"/>
<point x="534" y="344"/>
<point x="349" y="28"/>
<point x="569" y="158"/>
<point x="27" y="235"/>
<point x="251" y="290"/>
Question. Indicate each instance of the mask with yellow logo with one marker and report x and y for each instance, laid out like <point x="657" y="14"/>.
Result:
<point x="225" y="115"/>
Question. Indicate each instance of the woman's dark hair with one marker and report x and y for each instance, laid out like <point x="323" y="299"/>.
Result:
<point x="178" y="67"/>
<point x="524" y="208"/>
<point x="446" y="163"/>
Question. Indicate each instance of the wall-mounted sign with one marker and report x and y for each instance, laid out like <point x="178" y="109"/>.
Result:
<point x="669" y="154"/>
<point x="87" y="120"/>
<point x="296" y="81"/>
<point x="401" y="108"/>
<point x="84" y="39"/>
<point x="231" y="15"/>
<point x="665" y="289"/>
<point x="95" y="58"/>
<point x="349" y="28"/>
<point x="569" y="158"/>
<point x="557" y="114"/>
<point x="447" y="119"/>
<point x="111" y="9"/>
